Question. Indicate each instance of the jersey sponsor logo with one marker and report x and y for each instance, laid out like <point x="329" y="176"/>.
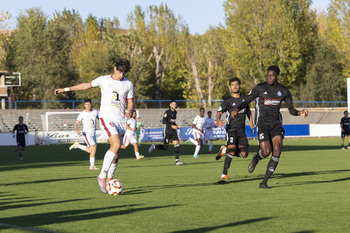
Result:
<point x="115" y="102"/>
<point x="279" y="93"/>
<point x="274" y="102"/>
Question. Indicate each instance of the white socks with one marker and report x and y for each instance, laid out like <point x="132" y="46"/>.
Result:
<point x="197" y="150"/>
<point x="107" y="161"/>
<point x="194" y="141"/>
<point x="111" y="170"/>
<point x="92" y="161"/>
<point x="137" y="154"/>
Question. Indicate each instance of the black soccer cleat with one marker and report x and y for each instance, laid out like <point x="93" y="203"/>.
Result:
<point x="252" y="164"/>
<point x="263" y="186"/>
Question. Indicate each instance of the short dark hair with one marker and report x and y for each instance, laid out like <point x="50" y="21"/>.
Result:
<point x="209" y="112"/>
<point x="201" y="109"/>
<point x="234" y="80"/>
<point x="172" y="101"/>
<point x="123" y="65"/>
<point x="345" y="111"/>
<point x="274" y="68"/>
<point x="87" y="100"/>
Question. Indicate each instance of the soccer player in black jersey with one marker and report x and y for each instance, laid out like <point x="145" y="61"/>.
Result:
<point x="21" y="130"/>
<point x="236" y="139"/>
<point x="269" y="96"/>
<point x="169" y="119"/>
<point x="345" y="129"/>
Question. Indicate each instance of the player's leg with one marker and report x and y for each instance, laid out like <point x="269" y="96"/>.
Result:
<point x="126" y="142"/>
<point x="348" y="140"/>
<point x="20" y="149"/>
<point x="210" y="145"/>
<point x="92" y="157"/>
<point x="198" y="146"/>
<point x="133" y="141"/>
<point x="163" y="146"/>
<point x="277" y="143"/>
<point x="342" y="140"/>
<point x="175" y="140"/>
<point x="115" y="145"/>
<point x="265" y="145"/>
<point x="223" y="149"/>
<point x="231" y="149"/>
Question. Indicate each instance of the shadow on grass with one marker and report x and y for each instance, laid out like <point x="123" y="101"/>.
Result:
<point x="48" y="181"/>
<point x="207" y="229"/>
<point x="35" y="220"/>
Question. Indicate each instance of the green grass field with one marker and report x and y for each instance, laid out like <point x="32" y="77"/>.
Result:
<point x="52" y="190"/>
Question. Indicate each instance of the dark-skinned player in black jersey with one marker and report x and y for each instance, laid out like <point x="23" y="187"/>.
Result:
<point x="345" y="129"/>
<point x="21" y="130"/>
<point x="236" y="139"/>
<point x="269" y="96"/>
<point x="169" y="119"/>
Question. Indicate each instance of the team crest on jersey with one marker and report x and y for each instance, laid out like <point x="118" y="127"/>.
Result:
<point x="279" y="93"/>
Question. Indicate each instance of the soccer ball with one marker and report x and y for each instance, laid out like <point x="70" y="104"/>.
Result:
<point x="114" y="187"/>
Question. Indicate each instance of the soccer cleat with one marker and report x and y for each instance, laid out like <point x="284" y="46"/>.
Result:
<point x="102" y="184"/>
<point x="109" y="179"/>
<point x="220" y="154"/>
<point x="210" y="152"/>
<point x="179" y="163"/>
<point x="20" y="158"/>
<point x="140" y="157"/>
<point x="188" y="140"/>
<point x="151" y="148"/>
<point x="343" y="148"/>
<point x="224" y="177"/>
<point x="93" y="168"/>
<point x="196" y="156"/>
<point x="348" y="148"/>
<point x="74" y="146"/>
<point x="263" y="186"/>
<point x="252" y="164"/>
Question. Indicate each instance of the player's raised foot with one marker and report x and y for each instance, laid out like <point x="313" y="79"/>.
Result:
<point x="74" y="145"/>
<point x="220" y="154"/>
<point x="140" y="157"/>
<point x="224" y="177"/>
<point x="263" y="186"/>
<point x="210" y="152"/>
<point x="151" y="148"/>
<point x="179" y="163"/>
<point x="252" y="165"/>
<point x="93" y="168"/>
<point x="102" y="184"/>
<point x="196" y="156"/>
<point x="188" y="140"/>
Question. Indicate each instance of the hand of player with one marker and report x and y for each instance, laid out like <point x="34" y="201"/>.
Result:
<point x="59" y="90"/>
<point x="234" y="113"/>
<point x="78" y="132"/>
<point x="175" y="127"/>
<point x="303" y="113"/>
<point x="128" y="114"/>
<point x="221" y="123"/>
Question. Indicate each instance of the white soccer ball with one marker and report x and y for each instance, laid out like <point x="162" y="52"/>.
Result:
<point x="114" y="187"/>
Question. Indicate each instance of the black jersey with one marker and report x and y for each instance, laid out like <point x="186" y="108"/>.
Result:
<point x="21" y="129"/>
<point x="268" y="103"/>
<point x="345" y="123"/>
<point x="227" y="106"/>
<point x="169" y="119"/>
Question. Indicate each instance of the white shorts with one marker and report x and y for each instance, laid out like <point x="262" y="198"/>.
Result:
<point x="111" y="128"/>
<point x="197" y="134"/>
<point x="208" y="135"/>
<point x="89" y="139"/>
<point x="129" y="138"/>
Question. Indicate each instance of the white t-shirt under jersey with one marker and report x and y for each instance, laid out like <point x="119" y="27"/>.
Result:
<point x="89" y="121"/>
<point x="114" y="98"/>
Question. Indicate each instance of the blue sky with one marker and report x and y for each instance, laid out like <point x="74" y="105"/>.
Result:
<point x="198" y="14"/>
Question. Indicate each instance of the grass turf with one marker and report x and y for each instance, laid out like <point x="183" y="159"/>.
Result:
<point x="52" y="190"/>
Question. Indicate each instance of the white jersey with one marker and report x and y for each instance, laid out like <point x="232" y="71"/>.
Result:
<point x="89" y="121"/>
<point x="209" y="122"/>
<point x="114" y="98"/>
<point x="199" y="121"/>
<point x="132" y="124"/>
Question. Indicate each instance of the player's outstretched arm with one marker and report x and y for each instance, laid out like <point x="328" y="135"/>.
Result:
<point x="79" y="87"/>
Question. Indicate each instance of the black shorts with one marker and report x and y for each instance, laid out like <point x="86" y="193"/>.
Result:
<point x="237" y="137"/>
<point x="267" y="132"/>
<point x="345" y="133"/>
<point x="170" y="137"/>
<point x="21" y="142"/>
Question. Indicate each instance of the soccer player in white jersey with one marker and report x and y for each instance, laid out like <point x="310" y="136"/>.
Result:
<point x="117" y="93"/>
<point x="208" y="131"/>
<point x="88" y="117"/>
<point x="130" y="136"/>
<point x="198" y="132"/>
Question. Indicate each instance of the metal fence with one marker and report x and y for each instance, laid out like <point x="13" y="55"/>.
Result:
<point x="72" y="104"/>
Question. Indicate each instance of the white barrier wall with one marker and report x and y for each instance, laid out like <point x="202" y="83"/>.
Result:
<point x="325" y="130"/>
<point x="6" y="139"/>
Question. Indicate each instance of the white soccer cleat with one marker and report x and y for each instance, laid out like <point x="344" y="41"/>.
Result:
<point x="74" y="146"/>
<point x="140" y="157"/>
<point x="196" y="156"/>
<point x="151" y="148"/>
<point x="93" y="168"/>
<point x="179" y="163"/>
